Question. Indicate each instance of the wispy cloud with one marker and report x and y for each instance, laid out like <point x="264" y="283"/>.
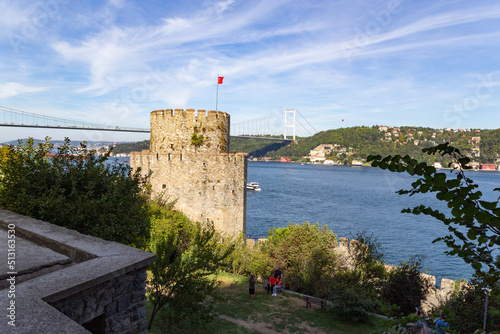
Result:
<point x="11" y="89"/>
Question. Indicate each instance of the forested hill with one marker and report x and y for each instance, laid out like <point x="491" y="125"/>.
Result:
<point x="254" y="147"/>
<point x="359" y="142"/>
<point x="131" y="147"/>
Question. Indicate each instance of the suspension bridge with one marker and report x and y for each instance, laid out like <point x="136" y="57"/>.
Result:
<point x="280" y="126"/>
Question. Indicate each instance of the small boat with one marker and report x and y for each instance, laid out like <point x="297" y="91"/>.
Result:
<point x="253" y="186"/>
<point x="356" y="163"/>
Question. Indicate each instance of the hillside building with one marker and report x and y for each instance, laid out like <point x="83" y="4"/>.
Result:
<point x="319" y="153"/>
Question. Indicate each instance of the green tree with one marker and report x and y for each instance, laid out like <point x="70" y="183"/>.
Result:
<point x="76" y="189"/>
<point x="473" y="223"/>
<point x="247" y="259"/>
<point x="307" y="255"/>
<point x="406" y="287"/>
<point x="367" y="262"/>
<point x="183" y="281"/>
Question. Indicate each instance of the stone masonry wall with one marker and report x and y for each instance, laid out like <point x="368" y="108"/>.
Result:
<point x="206" y="187"/>
<point x="119" y="304"/>
<point x="208" y="183"/>
<point x="172" y="131"/>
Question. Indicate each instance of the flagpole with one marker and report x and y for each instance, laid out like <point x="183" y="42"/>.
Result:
<point x="217" y="95"/>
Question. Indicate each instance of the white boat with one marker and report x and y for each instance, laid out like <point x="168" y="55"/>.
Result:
<point x="356" y="163"/>
<point x="253" y="186"/>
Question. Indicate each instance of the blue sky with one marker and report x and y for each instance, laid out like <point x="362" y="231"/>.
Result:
<point x="367" y="62"/>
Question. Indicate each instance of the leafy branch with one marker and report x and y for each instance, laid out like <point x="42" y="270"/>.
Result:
<point x="474" y="224"/>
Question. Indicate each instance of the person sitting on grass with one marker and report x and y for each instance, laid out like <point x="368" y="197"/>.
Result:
<point x="441" y="324"/>
<point x="276" y="287"/>
<point x="272" y="283"/>
<point x="251" y="287"/>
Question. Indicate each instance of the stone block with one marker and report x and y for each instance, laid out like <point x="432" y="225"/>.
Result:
<point x="123" y="302"/>
<point x="447" y="284"/>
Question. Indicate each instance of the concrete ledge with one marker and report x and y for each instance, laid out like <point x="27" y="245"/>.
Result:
<point x="95" y="261"/>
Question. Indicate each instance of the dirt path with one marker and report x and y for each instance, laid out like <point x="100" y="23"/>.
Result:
<point x="262" y="327"/>
<point x="258" y="327"/>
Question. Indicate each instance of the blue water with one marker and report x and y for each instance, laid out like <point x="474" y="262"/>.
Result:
<point x="350" y="199"/>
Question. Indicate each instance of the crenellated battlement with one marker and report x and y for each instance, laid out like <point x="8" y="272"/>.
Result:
<point x="189" y="131"/>
<point x="190" y="113"/>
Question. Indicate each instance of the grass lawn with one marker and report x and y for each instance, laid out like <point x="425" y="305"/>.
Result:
<point x="285" y="313"/>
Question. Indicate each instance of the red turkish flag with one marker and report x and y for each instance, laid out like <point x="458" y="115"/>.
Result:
<point x="220" y="80"/>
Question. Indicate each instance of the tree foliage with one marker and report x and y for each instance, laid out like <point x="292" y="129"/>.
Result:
<point x="183" y="283"/>
<point x="465" y="309"/>
<point x="367" y="261"/>
<point x="129" y="147"/>
<point x="406" y="287"/>
<point x="473" y="223"/>
<point x="247" y="259"/>
<point x="4" y="150"/>
<point x="308" y="256"/>
<point x="76" y="189"/>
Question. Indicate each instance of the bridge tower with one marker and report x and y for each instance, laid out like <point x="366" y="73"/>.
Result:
<point x="289" y="116"/>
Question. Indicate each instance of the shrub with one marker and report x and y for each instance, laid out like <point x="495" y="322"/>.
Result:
<point x="466" y="309"/>
<point x="351" y="305"/>
<point x="307" y="256"/>
<point x="406" y="287"/>
<point x="247" y="259"/>
<point x="76" y="189"/>
<point x="366" y="259"/>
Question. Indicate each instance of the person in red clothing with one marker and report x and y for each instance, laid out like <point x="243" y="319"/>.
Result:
<point x="270" y="283"/>
<point x="277" y="285"/>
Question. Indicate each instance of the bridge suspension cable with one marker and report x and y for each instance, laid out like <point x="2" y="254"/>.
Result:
<point x="307" y="123"/>
<point x="20" y="118"/>
<point x="269" y="125"/>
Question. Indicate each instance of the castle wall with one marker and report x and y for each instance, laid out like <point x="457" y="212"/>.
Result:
<point x="208" y="183"/>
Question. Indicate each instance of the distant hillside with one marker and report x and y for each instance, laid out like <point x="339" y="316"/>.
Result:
<point x="255" y="147"/>
<point x="131" y="147"/>
<point x="481" y="145"/>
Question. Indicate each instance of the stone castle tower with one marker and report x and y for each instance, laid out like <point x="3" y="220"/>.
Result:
<point x="190" y="162"/>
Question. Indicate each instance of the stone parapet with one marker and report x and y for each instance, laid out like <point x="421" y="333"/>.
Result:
<point x="101" y="291"/>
